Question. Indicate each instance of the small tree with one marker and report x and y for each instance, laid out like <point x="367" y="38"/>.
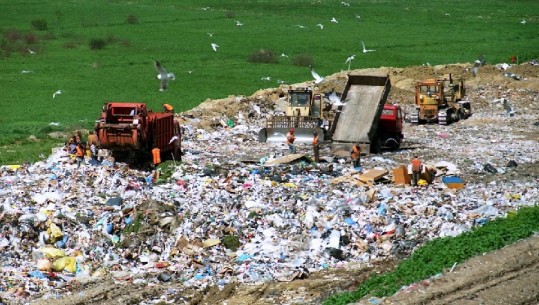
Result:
<point x="303" y="60"/>
<point x="132" y="19"/>
<point x="263" y="56"/>
<point x="97" y="44"/>
<point x="39" y="24"/>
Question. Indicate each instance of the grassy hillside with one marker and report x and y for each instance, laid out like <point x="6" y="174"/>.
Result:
<point x="133" y="34"/>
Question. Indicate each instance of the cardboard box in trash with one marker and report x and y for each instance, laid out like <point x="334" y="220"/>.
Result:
<point x="453" y="182"/>
<point x="401" y="176"/>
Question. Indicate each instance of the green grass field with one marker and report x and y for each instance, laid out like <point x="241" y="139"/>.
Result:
<point x="135" y="33"/>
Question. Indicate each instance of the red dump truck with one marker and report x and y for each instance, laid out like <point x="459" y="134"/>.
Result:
<point x="131" y="131"/>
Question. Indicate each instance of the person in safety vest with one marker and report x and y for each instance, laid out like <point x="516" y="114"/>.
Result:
<point x="316" y="147"/>
<point x="79" y="154"/>
<point x="355" y="155"/>
<point x="417" y="167"/>
<point x="168" y="108"/>
<point x="156" y="156"/>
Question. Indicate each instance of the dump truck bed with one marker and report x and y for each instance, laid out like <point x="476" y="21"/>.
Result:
<point x="365" y="96"/>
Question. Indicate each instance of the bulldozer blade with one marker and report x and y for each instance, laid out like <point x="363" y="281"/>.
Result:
<point x="278" y="135"/>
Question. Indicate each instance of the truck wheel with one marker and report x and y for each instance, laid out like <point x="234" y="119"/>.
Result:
<point x="376" y="146"/>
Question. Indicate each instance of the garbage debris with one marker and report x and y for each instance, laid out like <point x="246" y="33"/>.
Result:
<point x="223" y="216"/>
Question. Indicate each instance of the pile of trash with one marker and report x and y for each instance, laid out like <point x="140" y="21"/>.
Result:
<point x="238" y="211"/>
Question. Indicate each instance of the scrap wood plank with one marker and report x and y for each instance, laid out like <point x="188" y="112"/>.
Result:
<point x="288" y="159"/>
<point x="372" y="175"/>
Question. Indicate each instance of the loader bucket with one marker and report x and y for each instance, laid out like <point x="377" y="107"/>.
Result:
<point x="278" y="135"/>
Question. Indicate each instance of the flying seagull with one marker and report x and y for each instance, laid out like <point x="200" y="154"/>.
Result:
<point x="300" y="26"/>
<point x="321" y="26"/>
<point x="478" y="63"/>
<point x="349" y="60"/>
<point x="163" y="76"/>
<point x="317" y="78"/>
<point x="56" y="93"/>
<point x="210" y="34"/>
<point x="523" y="21"/>
<point x="31" y="52"/>
<point x="334" y="20"/>
<point x="238" y="23"/>
<point x="365" y="49"/>
<point x="214" y="46"/>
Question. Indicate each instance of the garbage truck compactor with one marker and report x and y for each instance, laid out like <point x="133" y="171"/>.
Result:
<point x="131" y="131"/>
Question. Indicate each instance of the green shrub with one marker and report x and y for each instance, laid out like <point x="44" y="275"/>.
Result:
<point x="231" y="242"/>
<point x="132" y="19"/>
<point x="12" y="35"/>
<point x="263" y="56"/>
<point x="39" y="24"/>
<point x="31" y="38"/>
<point x="97" y="44"/>
<point x="303" y="60"/>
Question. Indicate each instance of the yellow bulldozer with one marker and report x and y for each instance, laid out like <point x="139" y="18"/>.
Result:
<point x="440" y="100"/>
<point x="304" y="113"/>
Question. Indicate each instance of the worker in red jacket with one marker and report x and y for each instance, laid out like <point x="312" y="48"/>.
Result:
<point x="290" y="138"/>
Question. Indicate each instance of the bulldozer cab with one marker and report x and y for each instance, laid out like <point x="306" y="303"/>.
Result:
<point x="302" y="102"/>
<point x="428" y="93"/>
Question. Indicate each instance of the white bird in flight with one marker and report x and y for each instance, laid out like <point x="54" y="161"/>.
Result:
<point x="523" y="21"/>
<point x="317" y="78"/>
<point x="349" y="60"/>
<point x="266" y="78"/>
<point x="31" y="52"/>
<point x="210" y="34"/>
<point x="56" y="93"/>
<point x="334" y="20"/>
<point x="238" y="23"/>
<point x="365" y="50"/>
<point x="54" y="124"/>
<point x="163" y="76"/>
<point x="321" y="26"/>
<point x="345" y="3"/>
<point x="174" y="138"/>
<point x="334" y="99"/>
<point x="300" y="26"/>
<point x="214" y="46"/>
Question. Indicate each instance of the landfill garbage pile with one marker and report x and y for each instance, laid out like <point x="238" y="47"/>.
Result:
<point x="238" y="211"/>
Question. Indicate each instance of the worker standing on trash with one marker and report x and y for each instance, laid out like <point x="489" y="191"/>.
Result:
<point x="168" y="108"/>
<point x="316" y="147"/>
<point x="355" y="155"/>
<point x="416" y="170"/>
<point x="79" y="154"/>
<point x="290" y="138"/>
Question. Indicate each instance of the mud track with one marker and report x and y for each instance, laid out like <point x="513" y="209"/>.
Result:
<point x="507" y="276"/>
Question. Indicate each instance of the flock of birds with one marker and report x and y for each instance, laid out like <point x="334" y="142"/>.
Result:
<point x="165" y="77"/>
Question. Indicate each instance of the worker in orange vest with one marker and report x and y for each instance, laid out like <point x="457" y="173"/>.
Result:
<point x="355" y="155"/>
<point x="168" y="108"/>
<point x="156" y="155"/>
<point x="79" y="154"/>
<point x="316" y="147"/>
<point x="417" y="167"/>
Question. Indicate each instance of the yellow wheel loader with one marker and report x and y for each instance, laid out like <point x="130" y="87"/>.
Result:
<point x="440" y="100"/>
